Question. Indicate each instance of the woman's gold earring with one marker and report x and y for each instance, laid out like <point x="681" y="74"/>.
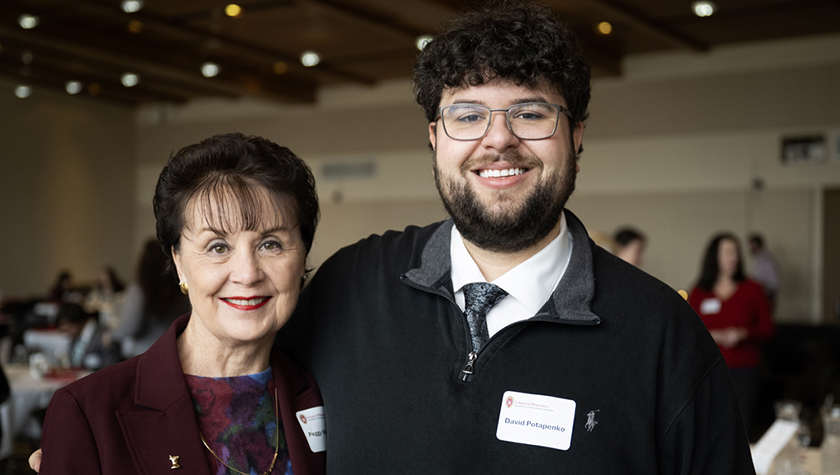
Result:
<point x="184" y="287"/>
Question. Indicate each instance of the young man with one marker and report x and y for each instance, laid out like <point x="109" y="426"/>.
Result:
<point x="630" y="246"/>
<point x="579" y="364"/>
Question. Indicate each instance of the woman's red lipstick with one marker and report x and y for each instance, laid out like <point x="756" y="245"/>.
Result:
<point x="246" y="303"/>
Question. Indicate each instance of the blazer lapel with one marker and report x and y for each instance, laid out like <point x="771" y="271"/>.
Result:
<point x="163" y="425"/>
<point x="153" y="437"/>
<point x="296" y="391"/>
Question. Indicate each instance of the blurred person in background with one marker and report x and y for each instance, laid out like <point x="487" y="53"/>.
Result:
<point x="237" y="216"/>
<point x="106" y="297"/>
<point x="86" y="347"/>
<point x="737" y="315"/>
<point x="630" y="246"/>
<point x="765" y="269"/>
<point x="63" y="289"/>
<point x="150" y="304"/>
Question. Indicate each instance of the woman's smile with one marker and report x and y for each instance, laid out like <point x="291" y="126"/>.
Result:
<point x="246" y="303"/>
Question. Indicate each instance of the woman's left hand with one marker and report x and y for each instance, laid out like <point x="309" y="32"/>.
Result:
<point x="729" y="337"/>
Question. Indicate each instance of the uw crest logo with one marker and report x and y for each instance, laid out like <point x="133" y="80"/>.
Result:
<point x="303" y="418"/>
<point x="509" y="401"/>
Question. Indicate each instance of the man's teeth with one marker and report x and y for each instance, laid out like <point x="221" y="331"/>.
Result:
<point x="247" y="301"/>
<point x="501" y="173"/>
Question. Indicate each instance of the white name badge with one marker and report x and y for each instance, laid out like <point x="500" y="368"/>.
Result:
<point x="710" y="306"/>
<point x="313" y="421"/>
<point x="534" y="419"/>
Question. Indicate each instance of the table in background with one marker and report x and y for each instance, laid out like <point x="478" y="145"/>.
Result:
<point x="50" y="342"/>
<point x="29" y="394"/>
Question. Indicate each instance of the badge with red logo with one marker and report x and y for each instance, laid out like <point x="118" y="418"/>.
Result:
<point x="313" y="423"/>
<point x="509" y="401"/>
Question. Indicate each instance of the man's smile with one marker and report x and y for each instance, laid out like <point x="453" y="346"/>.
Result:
<point x="496" y="173"/>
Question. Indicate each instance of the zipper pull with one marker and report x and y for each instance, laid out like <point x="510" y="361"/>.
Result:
<point x="468" y="366"/>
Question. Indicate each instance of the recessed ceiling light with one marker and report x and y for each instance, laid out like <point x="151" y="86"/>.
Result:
<point x="129" y="79"/>
<point x="310" y="58"/>
<point x="27" y="21"/>
<point x="422" y="40"/>
<point x="210" y="70"/>
<point x="23" y="91"/>
<point x="73" y="87"/>
<point x="135" y="26"/>
<point x="132" y="6"/>
<point x="280" y="67"/>
<point x="604" y="28"/>
<point x="233" y="10"/>
<point x="704" y="8"/>
<point x="27" y="57"/>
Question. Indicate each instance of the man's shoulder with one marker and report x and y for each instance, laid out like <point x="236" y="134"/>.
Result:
<point x="392" y="248"/>
<point x="619" y="282"/>
<point x="630" y="299"/>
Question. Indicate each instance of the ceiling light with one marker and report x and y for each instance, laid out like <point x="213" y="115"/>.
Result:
<point x="132" y="6"/>
<point x="129" y="79"/>
<point x="703" y="9"/>
<point x="310" y="58"/>
<point x="27" y="22"/>
<point x="73" y="87"/>
<point x="422" y="40"/>
<point x="26" y="57"/>
<point x="604" y="28"/>
<point x="280" y="67"/>
<point x="210" y="70"/>
<point x="135" y="26"/>
<point x="233" y="10"/>
<point x="23" y="91"/>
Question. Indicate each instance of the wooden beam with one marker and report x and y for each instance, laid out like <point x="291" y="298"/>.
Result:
<point x="233" y="46"/>
<point x="151" y="69"/>
<point x="385" y="22"/>
<point x="638" y="21"/>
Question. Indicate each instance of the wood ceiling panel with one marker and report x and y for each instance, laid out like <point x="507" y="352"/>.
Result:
<point x="191" y="8"/>
<point x="360" y="41"/>
<point x="313" y="27"/>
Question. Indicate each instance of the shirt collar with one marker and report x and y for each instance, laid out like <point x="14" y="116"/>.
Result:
<point x="531" y="282"/>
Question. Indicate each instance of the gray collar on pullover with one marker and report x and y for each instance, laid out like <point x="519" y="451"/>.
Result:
<point x="571" y="300"/>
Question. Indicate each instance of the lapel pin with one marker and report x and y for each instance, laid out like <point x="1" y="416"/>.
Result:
<point x="174" y="460"/>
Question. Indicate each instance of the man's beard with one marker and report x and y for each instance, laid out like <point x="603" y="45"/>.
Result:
<point x="512" y="228"/>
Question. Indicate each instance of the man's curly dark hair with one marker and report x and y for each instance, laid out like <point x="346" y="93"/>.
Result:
<point x="523" y="43"/>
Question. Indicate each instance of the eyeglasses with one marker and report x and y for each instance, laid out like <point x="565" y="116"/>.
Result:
<point x="527" y="121"/>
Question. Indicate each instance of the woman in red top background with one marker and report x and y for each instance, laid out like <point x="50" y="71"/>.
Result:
<point x="737" y="315"/>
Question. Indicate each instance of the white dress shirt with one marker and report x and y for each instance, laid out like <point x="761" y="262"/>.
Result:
<point x="529" y="285"/>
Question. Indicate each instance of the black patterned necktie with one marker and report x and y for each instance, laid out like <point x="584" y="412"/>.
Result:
<point x="480" y="298"/>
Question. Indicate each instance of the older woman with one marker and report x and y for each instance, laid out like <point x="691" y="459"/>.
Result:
<point x="237" y="215"/>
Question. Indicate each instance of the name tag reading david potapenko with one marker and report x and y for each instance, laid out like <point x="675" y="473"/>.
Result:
<point x="535" y="419"/>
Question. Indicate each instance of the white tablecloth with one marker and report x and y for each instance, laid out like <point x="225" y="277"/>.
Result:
<point x="49" y="342"/>
<point x="28" y="394"/>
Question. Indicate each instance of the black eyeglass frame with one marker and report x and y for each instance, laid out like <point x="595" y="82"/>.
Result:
<point x="506" y="110"/>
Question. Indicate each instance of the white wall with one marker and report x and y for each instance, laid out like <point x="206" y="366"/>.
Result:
<point x="66" y="189"/>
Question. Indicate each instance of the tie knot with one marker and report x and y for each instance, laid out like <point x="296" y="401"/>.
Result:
<point x="480" y="297"/>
